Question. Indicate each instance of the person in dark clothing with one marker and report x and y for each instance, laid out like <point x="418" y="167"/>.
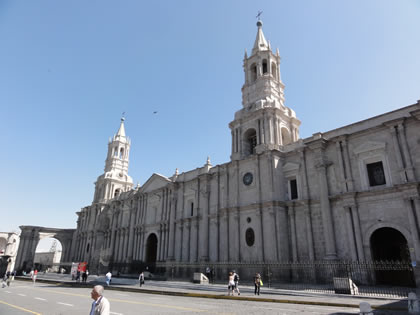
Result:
<point x="257" y="283"/>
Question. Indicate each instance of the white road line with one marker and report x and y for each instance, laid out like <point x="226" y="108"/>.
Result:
<point x="22" y="294"/>
<point x="7" y="291"/>
<point x="65" y="304"/>
<point x="41" y="299"/>
<point x="115" y="313"/>
<point x="122" y="295"/>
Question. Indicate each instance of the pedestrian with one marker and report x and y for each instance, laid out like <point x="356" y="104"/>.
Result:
<point x="84" y="276"/>
<point x="141" y="279"/>
<point x="231" y="284"/>
<point x="208" y="272"/>
<point x="257" y="283"/>
<point x="108" y="277"/>
<point x="8" y="278"/>
<point x="33" y="275"/>
<point x="236" y="281"/>
<point x="100" y="305"/>
<point x="78" y="276"/>
<point x="3" y="283"/>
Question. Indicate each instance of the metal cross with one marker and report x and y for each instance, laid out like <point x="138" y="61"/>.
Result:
<point x="123" y="114"/>
<point x="259" y="14"/>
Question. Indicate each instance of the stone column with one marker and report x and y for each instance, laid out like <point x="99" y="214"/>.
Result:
<point x="407" y="157"/>
<point x="339" y="148"/>
<point x="178" y="243"/>
<point x="18" y="263"/>
<point x="349" y="176"/>
<point x="204" y="231"/>
<point x="398" y="154"/>
<point x="131" y="236"/>
<point x="327" y="222"/>
<point x="413" y="227"/>
<point x="171" y="254"/>
<point x="291" y="212"/>
<point x="350" y="233"/>
<point x="309" y="233"/>
<point x="357" y="232"/>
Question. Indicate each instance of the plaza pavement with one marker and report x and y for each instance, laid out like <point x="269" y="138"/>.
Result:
<point x="219" y="291"/>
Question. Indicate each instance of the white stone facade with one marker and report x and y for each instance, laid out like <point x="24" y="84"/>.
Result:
<point x="280" y="198"/>
<point x="9" y="244"/>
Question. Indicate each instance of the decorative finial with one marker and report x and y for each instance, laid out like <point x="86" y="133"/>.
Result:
<point x="269" y="45"/>
<point x="138" y="185"/>
<point x="176" y="171"/>
<point x="277" y="52"/>
<point x="246" y="54"/>
<point x="259" y="23"/>
<point x="208" y="161"/>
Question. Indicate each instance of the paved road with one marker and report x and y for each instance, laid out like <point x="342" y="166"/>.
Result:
<point x="24" y="298"/>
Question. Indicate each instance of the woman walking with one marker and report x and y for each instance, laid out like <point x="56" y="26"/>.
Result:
<point x="231" y="284"/>
<point x="257" y="283"/>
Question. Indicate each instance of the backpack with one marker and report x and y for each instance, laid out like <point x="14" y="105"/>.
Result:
<point x="236" y="277"/>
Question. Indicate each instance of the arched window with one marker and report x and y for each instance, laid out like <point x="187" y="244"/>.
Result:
<point x="264" y="66"/>
<point x="117" y="192"/>
<point x="285" y="136"/>
<point x="116" y="151"/>
<point x="274" y="70"/>
<point x="253" y="72"/>
<point x="121" y="153"/>
<point x="250" y="141"/>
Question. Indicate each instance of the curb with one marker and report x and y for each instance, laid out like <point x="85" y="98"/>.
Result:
<point x="213" y="296"/>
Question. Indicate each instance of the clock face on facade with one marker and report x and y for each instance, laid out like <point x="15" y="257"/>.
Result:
<point x="248" y="179"/>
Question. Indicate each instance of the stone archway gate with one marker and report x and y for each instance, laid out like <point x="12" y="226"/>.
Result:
<point x="30" y="237"/>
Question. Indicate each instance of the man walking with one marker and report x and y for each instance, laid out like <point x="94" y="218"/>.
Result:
<point x="108" y="277"/>
<point x="236" y="280"/>
<point x="100" y="305"/>
<point x="141" y="278"/>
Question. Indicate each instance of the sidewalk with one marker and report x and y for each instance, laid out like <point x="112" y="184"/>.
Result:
<point x="219" y="291"/>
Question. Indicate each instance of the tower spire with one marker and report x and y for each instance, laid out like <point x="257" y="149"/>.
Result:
<point x="115" y="179"/>
<point x="260" y="43"/>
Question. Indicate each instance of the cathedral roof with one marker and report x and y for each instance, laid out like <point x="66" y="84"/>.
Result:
<point x="260" y="42"/>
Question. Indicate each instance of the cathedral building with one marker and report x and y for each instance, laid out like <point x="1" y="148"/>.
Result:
<point x="347" y="194"/>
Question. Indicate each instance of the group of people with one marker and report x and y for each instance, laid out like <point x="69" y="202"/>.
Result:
<point x="8" y="277"/>
<point x="84" y="275"/>
<point x="233" y="285"/>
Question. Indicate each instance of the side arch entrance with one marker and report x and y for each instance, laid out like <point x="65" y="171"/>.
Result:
<point x="151" y="251"/>
<point x="388" y="244"/>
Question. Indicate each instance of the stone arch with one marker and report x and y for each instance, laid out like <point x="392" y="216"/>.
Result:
<point x="389" y="244"/>
<point x="249" y="141"/>
<point x="253" y="70"/>
<point x="286" y="136"/>
<point x="29" y="239"/>
<point x="368" y="234"/>
<point x="151" y="250"/>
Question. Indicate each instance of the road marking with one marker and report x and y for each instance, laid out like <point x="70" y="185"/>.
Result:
<point x="41" y="299"/>
<point x="65" y="304"/>
<point x="159" y="305"/>
<point x="133" y="302"/>
<point x="22" y="294"/>
<point x="7" y="291"/>
<point x="121" y="295"/>
<point x="20" y="308"/>
<point x="115" y="313"/>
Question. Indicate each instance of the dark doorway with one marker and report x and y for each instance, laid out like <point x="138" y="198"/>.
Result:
<point x="151" y="251"/>
<point x="388" y="244"/>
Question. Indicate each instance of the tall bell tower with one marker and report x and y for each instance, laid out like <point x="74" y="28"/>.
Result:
<point x="264" y="122"/>
<point x="115" y="179"/>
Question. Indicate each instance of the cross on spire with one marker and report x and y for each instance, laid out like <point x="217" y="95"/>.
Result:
<point x="259" y="14"/>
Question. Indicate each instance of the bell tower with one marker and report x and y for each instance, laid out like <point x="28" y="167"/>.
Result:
<point x="115" y="179"/>
<point x="264" y="122"/>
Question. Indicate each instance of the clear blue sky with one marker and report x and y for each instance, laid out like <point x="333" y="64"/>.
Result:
<point x="68" y="69"/>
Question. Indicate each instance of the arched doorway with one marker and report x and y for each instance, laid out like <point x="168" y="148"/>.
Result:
<point x="48" y="255"/>
<point x="388" y="244"/>
<point x="151" y="251"/>
<point x="250" y="141"/>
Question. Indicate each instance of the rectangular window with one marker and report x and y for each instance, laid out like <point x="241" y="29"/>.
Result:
<point x="192" y="208"/>
<point x="376" y="174"/>
<point x="293" y="189"/>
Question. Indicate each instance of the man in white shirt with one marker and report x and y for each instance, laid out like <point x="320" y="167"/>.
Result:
<point x="100" y="305"/>
<point x="108" y="277"/>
